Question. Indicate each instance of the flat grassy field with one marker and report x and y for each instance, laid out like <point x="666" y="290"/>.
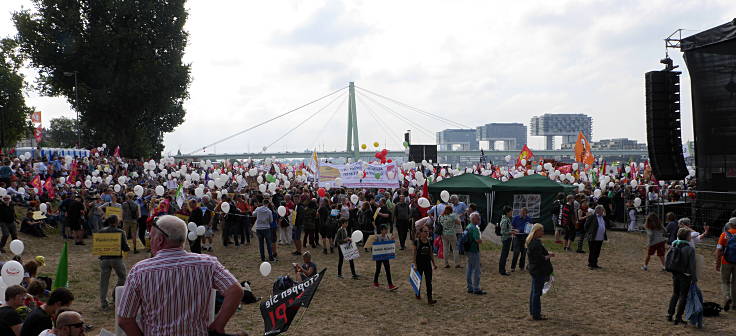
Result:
<point x="620" y="299"/>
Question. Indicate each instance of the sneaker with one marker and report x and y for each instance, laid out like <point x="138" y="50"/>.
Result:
<point x="419" y="297"/>
<point x="376" y="285"/>
<point x="392" y="287"/>
<point x="356" y="277"/>
<point x="339" y="276"/>
<point x="480" y="292"/>
<point x="644" y="268"/>
<point x="669" y="318"/>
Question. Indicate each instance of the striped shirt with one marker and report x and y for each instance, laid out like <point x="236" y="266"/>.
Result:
<point x="172" y="291"/>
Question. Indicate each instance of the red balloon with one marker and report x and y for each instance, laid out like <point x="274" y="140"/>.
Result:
<point x="321" y="192"/>
<point x="389" y="161"/>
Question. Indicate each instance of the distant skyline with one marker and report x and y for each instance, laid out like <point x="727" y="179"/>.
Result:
<point x="473" y="62"/>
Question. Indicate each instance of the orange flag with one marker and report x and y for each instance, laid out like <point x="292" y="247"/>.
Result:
<point x="525" y="154"/>
<point x="583" y="152"/>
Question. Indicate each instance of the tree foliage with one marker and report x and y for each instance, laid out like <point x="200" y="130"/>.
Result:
<point x="127" y="55"/>
<point x="62" y="133"/>
<point x="14" y="114"/>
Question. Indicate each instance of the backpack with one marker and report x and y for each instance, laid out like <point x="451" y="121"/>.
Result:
<point x="675" y="261"/>
<point x="465" y="243"/>
<point x="729" y="253"/>
<point x="282" y="283"/>
<point x="711" y="309"/>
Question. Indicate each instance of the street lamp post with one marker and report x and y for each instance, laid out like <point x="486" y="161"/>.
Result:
<point x="76" y="103"/>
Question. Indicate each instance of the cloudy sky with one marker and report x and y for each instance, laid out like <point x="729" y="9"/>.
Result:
<point x="471" y="62"/>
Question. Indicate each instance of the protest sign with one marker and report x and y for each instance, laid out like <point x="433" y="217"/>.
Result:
<point x="415" y="280"/>
<point x="384" y="250"/>
<point x="279" y="310"/>
<point x="359" y="175"/>
<point x="111" y="210"/>
<point x="106" y="244"/>
<point x="38" y="215"/>
<point x="349" y="251"/>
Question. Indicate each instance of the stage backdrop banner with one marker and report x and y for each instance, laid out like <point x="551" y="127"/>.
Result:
<point x="359" y="175"/>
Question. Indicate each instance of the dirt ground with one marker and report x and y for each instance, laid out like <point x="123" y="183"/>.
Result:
<point x="619" y="299"/>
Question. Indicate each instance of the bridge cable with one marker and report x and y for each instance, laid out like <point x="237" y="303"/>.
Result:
<point x="398" y="115"/>
<point x="321" y="132"/>
<point x="378" y="120"/>
<point x="267" y="121"/>
<point x="429" y="114"/>
<point x="304" y="121"/>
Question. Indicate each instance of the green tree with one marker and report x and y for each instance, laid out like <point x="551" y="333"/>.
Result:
<point x="14" y="114"/>
<point x="127" y="57"/>
<point x="61" y="133"/>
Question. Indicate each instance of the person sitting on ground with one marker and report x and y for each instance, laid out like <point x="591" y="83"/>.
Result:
<point x="32" y="227"/>
<point x="68" y="323"/>
<point x="41" y="318"/>
<point x="307" y="269"/>
<point x="10" y="320"/>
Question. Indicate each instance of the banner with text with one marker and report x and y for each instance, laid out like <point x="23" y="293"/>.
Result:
<point x="278" y="311"/>
<point x="384" y="250"/>
<point x="359" y="175"/>
<point x="349" y="251"/>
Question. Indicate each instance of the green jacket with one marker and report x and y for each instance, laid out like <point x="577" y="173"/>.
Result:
<point x="505" y="227"/>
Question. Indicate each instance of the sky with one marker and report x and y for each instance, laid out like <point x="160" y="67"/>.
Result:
<point x="470" y="62"/>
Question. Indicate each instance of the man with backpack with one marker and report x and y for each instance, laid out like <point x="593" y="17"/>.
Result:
<point x="680" y="262"/>
<point x="726" y="263"/>
<point x="471" y="244"/>
<point x="131" y="213"/>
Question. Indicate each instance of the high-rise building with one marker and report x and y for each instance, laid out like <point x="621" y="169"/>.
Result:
<point x="566" y="125"/>
<point x="457" y="139"/>
<point x="513" y="135"/>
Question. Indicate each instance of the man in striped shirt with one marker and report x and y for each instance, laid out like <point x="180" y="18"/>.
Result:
<point x="170" y="292"/>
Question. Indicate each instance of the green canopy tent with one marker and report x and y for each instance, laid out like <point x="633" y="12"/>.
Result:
<point x="535" y="192"/>
<point x="470" y="188"/>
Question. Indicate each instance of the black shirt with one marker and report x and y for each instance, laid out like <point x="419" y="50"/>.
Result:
<point x="36" y="322"/>
<point x="9" y="318"/>
<point x="74" y="211"/>
<point x="424" y="252"/>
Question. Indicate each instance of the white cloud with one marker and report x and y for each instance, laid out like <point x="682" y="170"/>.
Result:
<point x="473" y="62"/>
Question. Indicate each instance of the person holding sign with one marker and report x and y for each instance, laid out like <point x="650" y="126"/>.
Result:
<point x="383" y="236"/>
<point x="112" y="262"/>
<point x="342" y="238"/>
<point x="424" y="261"/>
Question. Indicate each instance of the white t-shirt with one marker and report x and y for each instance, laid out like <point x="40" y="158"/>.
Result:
<point x="694" y="238"/>
<point x="47" y="332"/>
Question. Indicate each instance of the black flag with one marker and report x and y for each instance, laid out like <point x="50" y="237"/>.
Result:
<point x="279" y="310"/>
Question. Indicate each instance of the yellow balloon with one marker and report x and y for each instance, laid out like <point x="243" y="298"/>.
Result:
<point x="375" y="144"/>
<point x="363" y="146"/>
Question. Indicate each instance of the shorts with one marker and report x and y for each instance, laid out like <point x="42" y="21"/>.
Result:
<point x="74" y="224"/>
<point x="326" y="232"/>
<point x="569" y="233"/>
<point x="658" y="248"/>
<point x="296" y="233"/>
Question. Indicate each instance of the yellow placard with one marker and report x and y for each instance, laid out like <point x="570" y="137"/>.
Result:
<point x="185" y="218"/>
<point x="38" y="215"/>
<point x="106" y="244"/>
<point x="111" y="210"/>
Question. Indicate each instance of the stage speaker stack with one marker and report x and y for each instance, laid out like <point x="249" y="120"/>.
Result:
<point x="664" y="137"/>
<point x="417" y="153"/>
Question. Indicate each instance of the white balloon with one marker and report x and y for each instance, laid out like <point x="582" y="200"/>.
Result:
<point x="12" y="273"/>
<point x="411" y="190"/>
<point x="575" y="166"/>
<point x="287" y="184"/>
<point x="423" y="202"/>
<point x="116" y="188"/>
<point x="265" y="268"/>
<point x="259" y="179"/>
<point x="160" y="190"/>
<point x="581" y="187"/>
<point x="356" y="236"/>
<point x="121" y="180"/>
<point x="201" y="230"/>
<point x="43" y="208"/>
<point x="597" y="193"/>
<point x="138" y="190"/>
<point x="262" y="188"/>
<point x="3" y="192"/>
<point x="191" y="226"/>
<point x="281" y="211"/>
<point x="199" y="192"/>
<point x="354" y="199"/>
<point x="634" y="183"/>
<point x="637" y="202"/>
<point x="445" y="195"/>
<point x="439" y="178"/>
<point x="272" y="187"/>
<point x="88" y="183"/>
<point x="523" y="162"/>
<point x="507" y="158"/>
<point x="610" y="184"/>
<point x="211" y="184"/>
<point x="17" y="247"/>
<point x="78" y="183"/>
<point x="225" y="207"/>
<point x="192" y="236"/>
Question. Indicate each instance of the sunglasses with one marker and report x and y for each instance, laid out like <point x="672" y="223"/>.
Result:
<point x="159" y="229"/>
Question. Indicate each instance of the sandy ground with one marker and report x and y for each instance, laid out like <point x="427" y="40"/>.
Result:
<point x="619" y="299"/>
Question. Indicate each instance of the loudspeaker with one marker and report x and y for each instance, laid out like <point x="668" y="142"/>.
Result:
<point x="417" y="153"/>
<point x="664" y="139"/>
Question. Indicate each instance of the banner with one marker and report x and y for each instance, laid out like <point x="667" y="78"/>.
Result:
<point x="36" y="117"/>
<point x="38" y="133"/>
<point x="384" y="250"/>
<point x="349" y="251"/>
<point x="279" y="310"/>
<point x="111" y="210"/>
<point x="359" y="175"/>
<point x="415" y="280"/>
<point x="106" y="244"/>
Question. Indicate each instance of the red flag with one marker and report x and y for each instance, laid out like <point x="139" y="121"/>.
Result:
<point x="566" y="169"/>
<point x="49" y="186"/>
<point x="73" y="173"/>
<point x="425" y="189"/>
<point x="38" y="133"/>
<point x="36" y="182"/>
<point x="117" y="152"/>
<point x="525" y="154"/>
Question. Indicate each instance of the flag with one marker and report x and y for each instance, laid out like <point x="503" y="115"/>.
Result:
<point x="279" y="311"/>
<point x="525" y="154"/>
<point x="316" y="164"/>
<point x="583" y="152"/>
<point x="425" y="189"/>
<point x="117" y="152"/>
<point x="62" y="270"/>
<point x="36" y="117"/>
<point x="180" y="196"/>
<point x="603" y="169"/>
<point x="49" y="186"/>
<point x="36" y="182"/>
<point x="73" y="173"/>
<point x="38" y="133"/>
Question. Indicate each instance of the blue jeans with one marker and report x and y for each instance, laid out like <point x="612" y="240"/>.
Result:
<point x="535" y="297"/>
<point x="472" y="273"/>
<point x="264" y="237"/>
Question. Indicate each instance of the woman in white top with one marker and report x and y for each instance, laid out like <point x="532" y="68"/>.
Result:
<point x="695" y="237"/>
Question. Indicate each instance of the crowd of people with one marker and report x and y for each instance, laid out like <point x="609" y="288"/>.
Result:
<point x="280" y="207"/>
